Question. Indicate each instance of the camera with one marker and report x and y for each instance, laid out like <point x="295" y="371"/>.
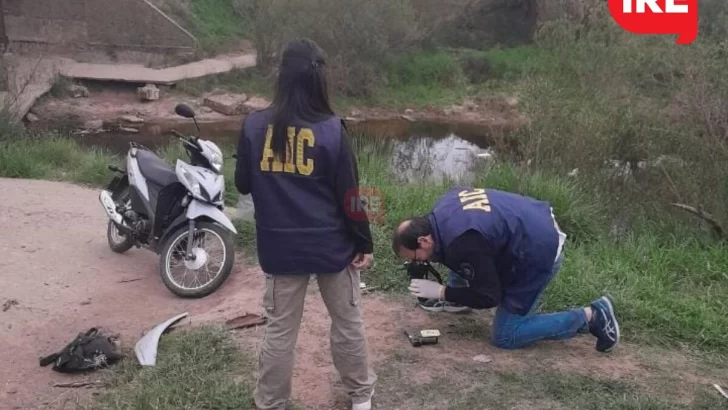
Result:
<point x="421" y="270"/>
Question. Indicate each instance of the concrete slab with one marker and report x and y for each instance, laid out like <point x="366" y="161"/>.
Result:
<point x="136" y="73"/>
<point x="34" y="76"/>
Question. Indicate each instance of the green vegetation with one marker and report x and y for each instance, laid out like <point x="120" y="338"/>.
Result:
<point x="620" y="126"/>
<point x="217" y="24"/>
<point x="58" y="157"/>
<point x="201" y="368"/>
<point x="530" y="389"/>
<point x="50" y="156"/>
<point x="668" y="279"/>
<point x="669" y="288"/>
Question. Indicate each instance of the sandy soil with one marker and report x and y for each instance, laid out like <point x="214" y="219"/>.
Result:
<point x="60" y="278"/>
<point x="58" y="269"/>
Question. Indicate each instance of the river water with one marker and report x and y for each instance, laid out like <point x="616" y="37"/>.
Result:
<point x="433" y="151"/>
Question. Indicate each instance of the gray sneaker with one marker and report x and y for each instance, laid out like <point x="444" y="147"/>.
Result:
<point x="434" y="305"/>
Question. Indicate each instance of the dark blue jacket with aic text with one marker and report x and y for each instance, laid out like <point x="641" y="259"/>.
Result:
<point x="520" y="229"/>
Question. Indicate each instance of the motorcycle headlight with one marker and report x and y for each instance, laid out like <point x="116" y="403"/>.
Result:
<point x="188" y="180"/>
<point x="216" y="161"/>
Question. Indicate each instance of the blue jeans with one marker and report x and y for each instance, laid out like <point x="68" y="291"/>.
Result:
<point x="511" y="331"/>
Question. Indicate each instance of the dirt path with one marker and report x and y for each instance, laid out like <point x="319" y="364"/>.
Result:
<point x="59" y="270"/>
<point x="63" y="278"/>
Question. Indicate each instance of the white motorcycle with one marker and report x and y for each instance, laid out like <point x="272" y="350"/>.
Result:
<point x="178" y="214"/>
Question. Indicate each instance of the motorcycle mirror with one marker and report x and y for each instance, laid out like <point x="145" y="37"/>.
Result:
<point x="184" y="110"/>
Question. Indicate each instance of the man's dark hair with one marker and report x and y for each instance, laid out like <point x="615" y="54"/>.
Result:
<point x="407" y="237"/>
<point x="301" y="91"/>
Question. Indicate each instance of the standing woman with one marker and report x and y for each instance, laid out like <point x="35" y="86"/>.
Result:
<point x="294" y="158"/>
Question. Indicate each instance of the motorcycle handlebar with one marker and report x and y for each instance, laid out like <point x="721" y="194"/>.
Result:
<point x="187" y="140"/>
<point x="178" y="134"/>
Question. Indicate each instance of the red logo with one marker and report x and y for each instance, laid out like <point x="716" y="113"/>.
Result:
<point x="366" y="202"/>
<point x="658" y="17"/>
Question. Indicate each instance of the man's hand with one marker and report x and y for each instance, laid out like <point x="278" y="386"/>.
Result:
<point x="362" y="261"/>
<point x="427" y="289"/>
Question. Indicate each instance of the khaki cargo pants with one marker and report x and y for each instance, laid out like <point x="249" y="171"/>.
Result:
<point x="283" y="301"/>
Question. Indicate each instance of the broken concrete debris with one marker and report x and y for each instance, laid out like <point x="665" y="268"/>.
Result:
<point x="149" y="92"/>
<point x="226" y="104"/>
<point x="93" y="125"/>
<point x="78" y="91"/>
<point x="233" y="104"/>
<point x="255" y="103"/>
<point x="131" y="119"/>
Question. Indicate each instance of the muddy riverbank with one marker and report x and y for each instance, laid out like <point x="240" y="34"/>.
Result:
<point x="107" y="112"/>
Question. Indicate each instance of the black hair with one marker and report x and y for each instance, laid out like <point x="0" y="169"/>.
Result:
<point x="301" y="91"/>
<point x="407" y="236"/>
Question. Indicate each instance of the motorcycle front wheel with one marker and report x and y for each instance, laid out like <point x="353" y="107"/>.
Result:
<point x="213" y="257"/>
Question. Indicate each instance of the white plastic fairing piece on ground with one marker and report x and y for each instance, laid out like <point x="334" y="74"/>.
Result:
<point x="146" y="347"/>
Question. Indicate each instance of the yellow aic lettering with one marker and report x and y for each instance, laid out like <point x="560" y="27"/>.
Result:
<point x="475" y="199"/>
<point x="304" y="136"/>
<point x="296" y="162"/>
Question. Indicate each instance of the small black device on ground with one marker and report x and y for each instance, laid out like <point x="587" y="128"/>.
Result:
<point x="423" y="337"/>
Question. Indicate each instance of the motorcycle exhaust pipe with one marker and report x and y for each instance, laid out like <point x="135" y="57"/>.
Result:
<point x="110" y="208"/>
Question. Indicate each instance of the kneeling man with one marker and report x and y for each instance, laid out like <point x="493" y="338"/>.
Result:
<point x="503" y="250"/>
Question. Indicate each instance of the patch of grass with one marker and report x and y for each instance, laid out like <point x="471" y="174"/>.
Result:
<point x="501" y="64"/>
<point x="669" y="290"/>
<point x="416" y="79"/>
<point x="201" y="368"/>
<point x="479" y="386"/>
<point x="607" y="394"/>
<point x="52" y="157"/>
<point x="575" y="209"/>
<point x="667" y="294"/>
<point x="59" y="157"/>
<point x="217" y="25"/>
<point x="246" y="239"/>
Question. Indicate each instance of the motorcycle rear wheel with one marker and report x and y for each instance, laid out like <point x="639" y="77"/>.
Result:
<point x="172" y="257"/>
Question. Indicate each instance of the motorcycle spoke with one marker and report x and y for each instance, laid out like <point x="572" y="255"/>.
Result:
<point x="205" y="244"/>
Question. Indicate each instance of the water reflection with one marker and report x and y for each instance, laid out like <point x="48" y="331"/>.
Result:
<point x="416" y="151"/>
<point x="436" y="159"/>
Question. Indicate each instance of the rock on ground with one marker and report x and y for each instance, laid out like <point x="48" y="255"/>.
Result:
<point x="226" y="104"/>
<point x="255" y="103"/>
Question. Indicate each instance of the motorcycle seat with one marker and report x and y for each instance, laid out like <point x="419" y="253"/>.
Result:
<point x="155" y="169"/>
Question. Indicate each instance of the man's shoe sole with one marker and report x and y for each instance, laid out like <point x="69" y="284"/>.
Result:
<point x="610" y="308"/>
<point x="456" y="310"/>
<point x="433" y="309"/>
<point x="438" y="309"/>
